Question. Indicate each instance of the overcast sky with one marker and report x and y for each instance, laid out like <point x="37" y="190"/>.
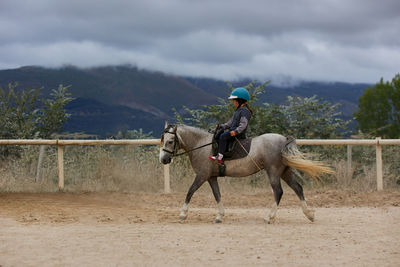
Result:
<point x="328" y="40"/>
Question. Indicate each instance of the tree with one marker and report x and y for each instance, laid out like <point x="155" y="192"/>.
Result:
<point x="18" y="112"/>
<point x="310" y="117"/>
<point x="379" y="109"/>
<point x="25" y="115"/>
<point x="53" y="115"/>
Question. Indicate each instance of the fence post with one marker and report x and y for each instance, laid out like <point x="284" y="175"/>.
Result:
<point x="40" y="161"/>
<point x="349" y="162"/>
<point x="379" y="173"/>
<point x="167" y="182"/>
<point x="167" y="185"/>
<point x="60" y="161"/>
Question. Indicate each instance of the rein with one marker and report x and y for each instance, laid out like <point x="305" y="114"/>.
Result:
<point x="183" y="153"/>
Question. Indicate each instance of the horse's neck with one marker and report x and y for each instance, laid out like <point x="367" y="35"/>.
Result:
<point x="191" y="137"/>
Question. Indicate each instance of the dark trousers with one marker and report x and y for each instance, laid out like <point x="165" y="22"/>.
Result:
<point x="223" y="141"/>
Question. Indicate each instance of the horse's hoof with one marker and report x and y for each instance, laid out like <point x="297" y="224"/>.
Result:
<point x="269" y="220"/>
<point x="182" y="217"/>
<point x="310" y="216"/>
<point x="218" y="220"/>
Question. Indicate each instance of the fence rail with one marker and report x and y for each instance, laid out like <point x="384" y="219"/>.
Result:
<point x="79" y="142"/>
<point x="354" y="142"/>
<point x="378" y="143"/>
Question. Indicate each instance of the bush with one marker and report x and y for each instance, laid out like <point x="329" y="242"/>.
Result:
<point x="299" y="117"/>
<point x="24" y="115"/>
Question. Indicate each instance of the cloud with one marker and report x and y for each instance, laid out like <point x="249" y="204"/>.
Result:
<point x="337" y="40"/>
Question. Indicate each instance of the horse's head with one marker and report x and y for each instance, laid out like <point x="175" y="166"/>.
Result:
<point x="169" y="143"/>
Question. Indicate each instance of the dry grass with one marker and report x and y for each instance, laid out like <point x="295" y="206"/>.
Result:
<point x="347" y="180"/>
<point x="137" y="169"/>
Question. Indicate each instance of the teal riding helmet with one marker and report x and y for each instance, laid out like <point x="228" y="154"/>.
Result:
<point x="240" y="93"/>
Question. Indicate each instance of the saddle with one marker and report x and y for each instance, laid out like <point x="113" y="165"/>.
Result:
<point x="234" y="149"/>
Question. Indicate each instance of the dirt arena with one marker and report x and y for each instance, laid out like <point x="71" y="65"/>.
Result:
<point x="114" y="229"/>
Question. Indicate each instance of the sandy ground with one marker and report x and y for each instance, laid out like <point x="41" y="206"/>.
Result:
<point x="112" y="229"/>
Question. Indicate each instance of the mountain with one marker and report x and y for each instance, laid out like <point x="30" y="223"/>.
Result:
<point x="113" y="98"/>
<point x="93" y="117"/>
<point x="153" y="92"/>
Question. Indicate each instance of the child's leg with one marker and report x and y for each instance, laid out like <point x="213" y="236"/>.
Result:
<point x="223" y="142"/>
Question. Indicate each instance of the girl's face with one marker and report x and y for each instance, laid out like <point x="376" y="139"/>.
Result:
<point x="235" y="102"/>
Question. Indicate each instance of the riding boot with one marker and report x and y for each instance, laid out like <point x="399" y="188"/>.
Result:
<point x="219" y="158"/>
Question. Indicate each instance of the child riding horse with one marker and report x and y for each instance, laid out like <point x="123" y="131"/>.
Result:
<point x="237" y="125"/>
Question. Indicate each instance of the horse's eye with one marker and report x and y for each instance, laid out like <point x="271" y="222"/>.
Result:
<point x="170" y="142"/>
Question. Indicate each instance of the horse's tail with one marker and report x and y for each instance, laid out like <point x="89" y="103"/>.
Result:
<point x="294" y="158"/>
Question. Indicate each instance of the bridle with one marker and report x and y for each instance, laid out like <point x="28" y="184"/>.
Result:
<point x="176" y="143"/>
<point x="167" y="130"/>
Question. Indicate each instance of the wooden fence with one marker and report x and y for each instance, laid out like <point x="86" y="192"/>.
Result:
<point x="378" y="143"/>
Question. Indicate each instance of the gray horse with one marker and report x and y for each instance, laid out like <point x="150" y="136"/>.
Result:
<point x="274" y="153"/>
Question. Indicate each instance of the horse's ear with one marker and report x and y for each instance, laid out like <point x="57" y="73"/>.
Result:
<point x="175" y="127"/>
<point x="166" y="124"/>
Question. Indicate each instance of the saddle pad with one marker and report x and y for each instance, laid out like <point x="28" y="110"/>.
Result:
<point x="238" y="152"/>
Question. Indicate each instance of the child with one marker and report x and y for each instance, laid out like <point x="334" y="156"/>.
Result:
<point x="237" y="125"/>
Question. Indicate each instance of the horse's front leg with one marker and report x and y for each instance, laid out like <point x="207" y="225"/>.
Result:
<point x="198" y="181"/>
<point x="215" y="189"/>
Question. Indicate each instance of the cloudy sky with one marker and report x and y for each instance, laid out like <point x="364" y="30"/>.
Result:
<point x="327" y="40"/>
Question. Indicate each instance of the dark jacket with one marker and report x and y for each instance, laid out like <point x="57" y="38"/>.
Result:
<point x="239" y="122"/>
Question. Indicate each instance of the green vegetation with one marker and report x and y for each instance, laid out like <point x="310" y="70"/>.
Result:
<point x="379" y="109"/>
<point x="24" y="115"/>
<point x="301" y="117"/>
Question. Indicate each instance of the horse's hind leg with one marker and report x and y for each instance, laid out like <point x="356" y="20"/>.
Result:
<point x="215" y="189"/>
<point x="278" y="192"/>
<point x="198" y="181"/>
<point x="288" y="177"/>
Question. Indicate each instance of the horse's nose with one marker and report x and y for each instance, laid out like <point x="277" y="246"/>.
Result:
<point x="166" y="161"/>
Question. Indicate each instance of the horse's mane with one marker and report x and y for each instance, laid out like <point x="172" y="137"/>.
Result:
<point x="193" y="129"/>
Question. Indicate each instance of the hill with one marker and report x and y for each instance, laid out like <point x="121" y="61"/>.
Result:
<point x="93" y="117"/>
<point x="153" y="92"/>
<point x="115" y="98"/>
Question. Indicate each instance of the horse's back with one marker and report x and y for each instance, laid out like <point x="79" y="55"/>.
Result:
<point x="271" y="142"/>
<point x="273" y="138"/>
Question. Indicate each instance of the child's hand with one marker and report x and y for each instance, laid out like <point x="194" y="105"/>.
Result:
<point x="233" y="133"/>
